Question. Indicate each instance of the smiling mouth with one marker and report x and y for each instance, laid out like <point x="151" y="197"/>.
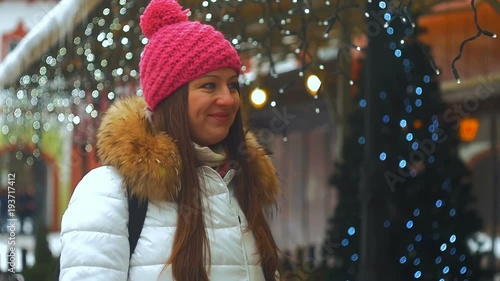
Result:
<point x="220" y="116"/>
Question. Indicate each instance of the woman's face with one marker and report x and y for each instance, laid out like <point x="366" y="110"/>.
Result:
<point x="213" y="101"/>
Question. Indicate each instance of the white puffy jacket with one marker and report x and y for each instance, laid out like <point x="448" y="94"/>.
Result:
<point x="94" y="233"/>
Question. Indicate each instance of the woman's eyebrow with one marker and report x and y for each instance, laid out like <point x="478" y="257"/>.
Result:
<point x="216" y="76"/>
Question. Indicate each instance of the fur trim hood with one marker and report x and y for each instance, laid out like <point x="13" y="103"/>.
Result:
<point x="149" y="162"/>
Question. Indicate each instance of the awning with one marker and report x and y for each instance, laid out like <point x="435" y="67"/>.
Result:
<point x="53" y="28"/>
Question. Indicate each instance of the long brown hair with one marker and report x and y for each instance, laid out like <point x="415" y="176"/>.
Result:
<point x="190" y="246"/>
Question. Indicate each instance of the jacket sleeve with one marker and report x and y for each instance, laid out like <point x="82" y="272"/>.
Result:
<point x="94" y="234"/>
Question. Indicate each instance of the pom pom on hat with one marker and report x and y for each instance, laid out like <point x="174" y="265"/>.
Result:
<point x="178" y="51"/>
<point x="160" y="13"/>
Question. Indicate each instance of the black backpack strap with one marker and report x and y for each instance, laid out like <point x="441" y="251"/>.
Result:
<point x="136" y="216"/>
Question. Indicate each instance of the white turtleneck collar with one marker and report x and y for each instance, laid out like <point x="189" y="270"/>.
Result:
<point x="213" y="156"/>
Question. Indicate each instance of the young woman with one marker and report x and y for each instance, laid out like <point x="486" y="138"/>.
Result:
<point x="183" y="149"/>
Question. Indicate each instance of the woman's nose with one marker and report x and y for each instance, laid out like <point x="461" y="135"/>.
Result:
<point x="226" y="97"/>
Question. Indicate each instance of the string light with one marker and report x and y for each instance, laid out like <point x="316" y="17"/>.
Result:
<point x="74" y="76"/>
<point x="480" y="32"/>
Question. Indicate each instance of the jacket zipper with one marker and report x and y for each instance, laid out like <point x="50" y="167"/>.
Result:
<point x="239" y="226"/>
<point x="242" y="243"/>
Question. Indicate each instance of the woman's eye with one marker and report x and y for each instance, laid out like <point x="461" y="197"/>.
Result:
<point x="208" y="86"/>
<point x="234" y="86"/>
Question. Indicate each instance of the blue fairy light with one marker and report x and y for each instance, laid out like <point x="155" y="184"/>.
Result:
<point x="387" y="223"/>
<point x="351" y="231"/>
<point x="418" y="274"/>
<point x="438" y="260"/>
<point x="390" y="31"/>
<point x="418" y="91"/>
<point x="435" y="123"/>
<point x="418" y="238"/>
<point x="409" y="137"/>
<point x="386" y="118"/>
<point x="453" y="238"/>
<point x="416" y="261"/>
<point x="345" y="242"/>
<point x="411" y="247"/>
<point x="398" y="53"/>
<point x="435" y="137"/>
<point x="431" y="128"/>
<point x="416" y="212"/>
<point x="392" y="45"/>
<point x="402" y="164"/>
<point x="418" y="103"/>
<point x="442" y="279"/>
<point x="383" y="95"/>
<point x="443" y="247"/>
<point x="362" y="103"/>
<point x="453" y="212"/>
<point x="387" y="16"/>
<point x="361" y="140"/>
<point x="409" y="224"/>
<point x="402" y="260"/>
<point x="431" y="159"/>
<point x="403" y="123"/>
<point x="463" y="270"/>
<point x="427" y="79"/>
<point x="406" y="62"/>
<point x="382" y="5"/>
<point x="446" y="269"/>
<point x="414" y="145"/>
<point x="354" y="257"/>
<point x="453" y="251"/>
<point x="409" y="109"/>
<point x="439" y="203"/>
<point x="383" y="156"/>
<point x="462" y="258"/>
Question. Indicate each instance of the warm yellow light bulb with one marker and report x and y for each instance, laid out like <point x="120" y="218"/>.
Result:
<point x="313" y="84"/>
<point x="258" y="97"/>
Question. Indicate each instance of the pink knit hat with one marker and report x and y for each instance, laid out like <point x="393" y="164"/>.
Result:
<point x="178" y="51"/>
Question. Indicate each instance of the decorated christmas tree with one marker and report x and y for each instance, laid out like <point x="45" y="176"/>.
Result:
<point x="419" y="218"/>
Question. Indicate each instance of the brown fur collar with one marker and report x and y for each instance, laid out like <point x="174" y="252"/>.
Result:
<point x="150" y="163"/>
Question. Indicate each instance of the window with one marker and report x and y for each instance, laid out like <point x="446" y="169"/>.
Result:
<point x="11" y="39"/>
